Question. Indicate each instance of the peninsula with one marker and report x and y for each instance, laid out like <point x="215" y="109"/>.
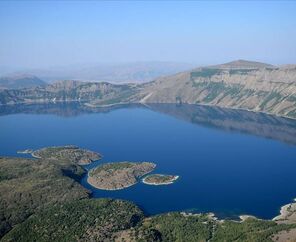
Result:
<point x="159" y="179"/>
<point x="119" y="175"/>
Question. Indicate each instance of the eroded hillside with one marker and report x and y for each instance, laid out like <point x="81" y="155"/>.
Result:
<point x="265" y="89"/>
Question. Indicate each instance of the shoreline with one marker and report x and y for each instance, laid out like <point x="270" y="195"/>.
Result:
<point x="87" y="104"/>
<point x="106" y="189"/>
<point x="285" y="213"/>
<point x="159" y="184"/>
<point x="281" y="217"/>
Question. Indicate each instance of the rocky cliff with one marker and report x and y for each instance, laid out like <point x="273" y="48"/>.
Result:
<point x="240" y="85"/>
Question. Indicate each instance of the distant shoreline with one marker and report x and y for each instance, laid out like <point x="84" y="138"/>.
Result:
<point x="87" y="104"/>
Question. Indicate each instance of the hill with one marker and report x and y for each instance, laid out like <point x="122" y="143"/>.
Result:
<point x="20" y="81"/>
<point x="239" y="84"/>
<point x="244" y="64"/>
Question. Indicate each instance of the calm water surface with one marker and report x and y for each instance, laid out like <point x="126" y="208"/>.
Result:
<point x="229" y="162"/>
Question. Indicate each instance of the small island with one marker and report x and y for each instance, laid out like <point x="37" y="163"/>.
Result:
<point x="119" y="175"/>
<point x="159" y="179"/>
<point x="68" y="152"/>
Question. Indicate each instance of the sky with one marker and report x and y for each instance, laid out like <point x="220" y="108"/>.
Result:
<point x="38" y="34"/>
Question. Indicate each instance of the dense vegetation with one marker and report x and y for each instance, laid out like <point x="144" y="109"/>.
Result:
<point x="183" y="227"/>
<point x="177" y="227"/>
<point x="251" y="230"/>
<point x="85" y="220"/>
<point x="27" y="185"/>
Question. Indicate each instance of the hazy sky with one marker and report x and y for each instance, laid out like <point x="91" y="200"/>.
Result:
<point x="40" y="34"/>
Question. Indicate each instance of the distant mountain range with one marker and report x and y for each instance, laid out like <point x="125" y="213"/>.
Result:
<point x="134" y="72"/>
<point x="20" y="81"/>
<point x="239" y="84"/>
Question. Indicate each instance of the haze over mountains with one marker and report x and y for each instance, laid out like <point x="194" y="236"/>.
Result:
<point x="20" y="81"/>
<point x="239" y="84"/>
<point x="130" y="72"/>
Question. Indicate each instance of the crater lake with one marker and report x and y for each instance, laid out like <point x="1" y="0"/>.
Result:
<point x="229" y="162"/>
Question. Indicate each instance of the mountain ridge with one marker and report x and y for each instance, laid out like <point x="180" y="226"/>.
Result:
<point x="240" y="84"/>
<point x="264" y="89"/>
<point x="127" y="72"/>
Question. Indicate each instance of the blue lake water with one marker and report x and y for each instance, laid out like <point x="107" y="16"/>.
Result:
<point x="229" y="162"/>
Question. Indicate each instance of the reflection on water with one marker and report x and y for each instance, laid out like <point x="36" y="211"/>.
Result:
<point x="258" y="124"/>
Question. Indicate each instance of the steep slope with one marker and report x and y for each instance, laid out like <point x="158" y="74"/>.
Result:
<point x="64" y="91"/>
<point x="20" y="81"/>
<point x="239" y="85"/>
